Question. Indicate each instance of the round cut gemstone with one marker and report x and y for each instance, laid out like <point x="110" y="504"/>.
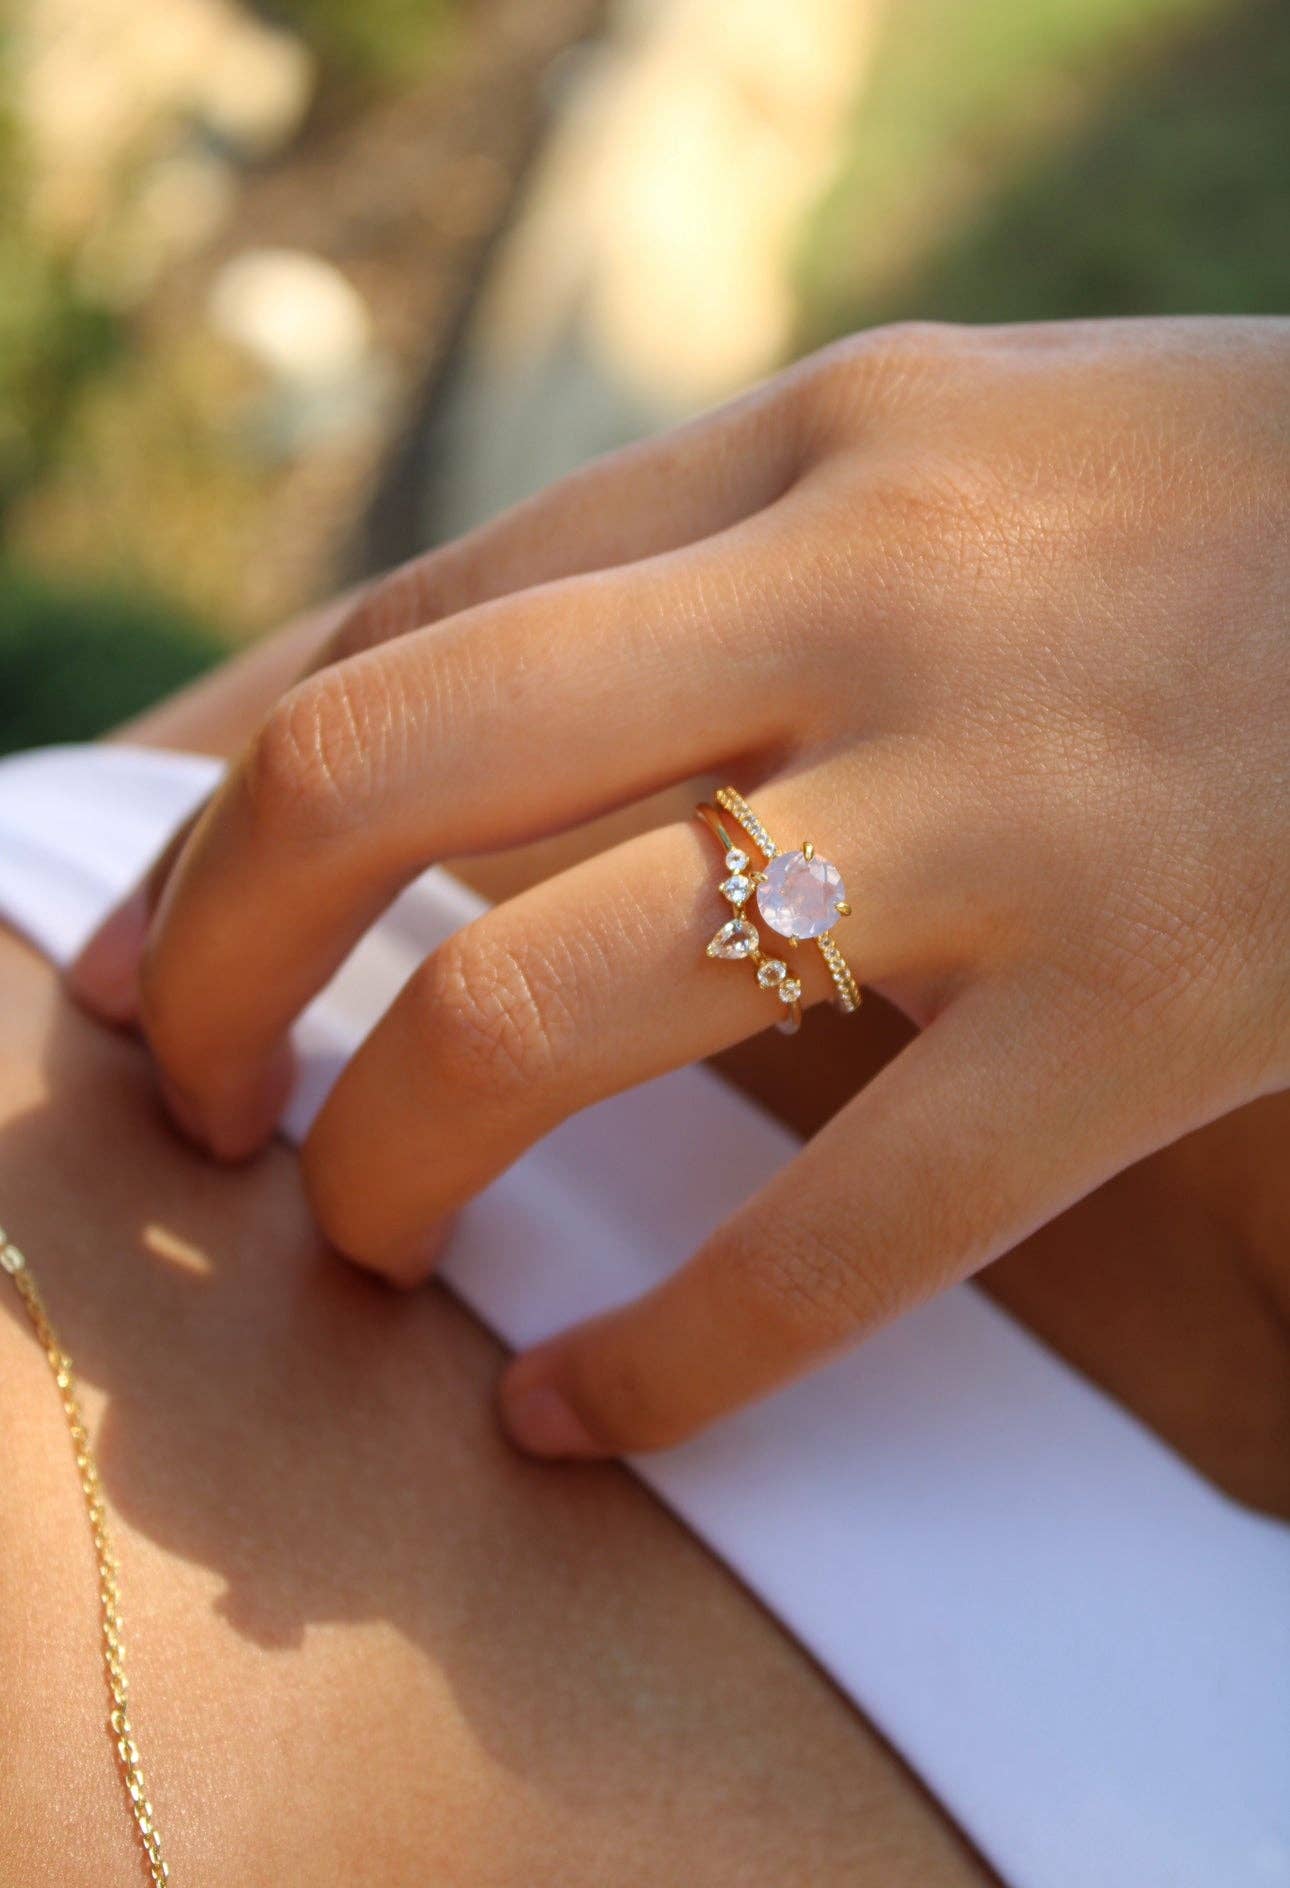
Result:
<point x="800" y="896"/>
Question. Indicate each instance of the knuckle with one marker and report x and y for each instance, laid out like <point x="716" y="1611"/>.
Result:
<point x="937" y="521"/>
<point x="365" y="624"/>
<point x="874" y="369"/>
<point x="410" y="597"/>
<point x="909" y="346"/>
<point x="495" y="1015"/>
<point x="309" y="773"/>
<point x="817" y="1287"/>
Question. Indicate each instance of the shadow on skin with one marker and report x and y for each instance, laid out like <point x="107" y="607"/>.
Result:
<point x="274" y="1414"/>
<point x="326" y="1448"/>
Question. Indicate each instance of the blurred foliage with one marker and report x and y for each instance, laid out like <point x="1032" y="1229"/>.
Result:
<point x="53" y="338"/>
<point x="368" y="40"/>
<point x="81" y="404"/>
<point x="1067" y="158"/>
<point x="1008" y="160"/>
<point x="75" y="661"/>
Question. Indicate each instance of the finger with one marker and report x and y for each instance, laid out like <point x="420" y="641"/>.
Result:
<point x="521" y="718"/>
<point x="649" y="498"/>
<point x="105" y="976"/>
<point x="209" y="717"/>
<point x="986" y="1126"/>
<point x="589" y="983"/>
<point x="657" y="495"/>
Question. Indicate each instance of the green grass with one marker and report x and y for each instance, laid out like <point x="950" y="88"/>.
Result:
<point x="76" y="661"/>
<point x="1065" y="158"/>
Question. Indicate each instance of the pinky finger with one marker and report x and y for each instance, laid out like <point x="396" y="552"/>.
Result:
<point x="986" y="1126"/>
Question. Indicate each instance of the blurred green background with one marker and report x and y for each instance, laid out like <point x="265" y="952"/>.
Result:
<point x="229" y="340"/>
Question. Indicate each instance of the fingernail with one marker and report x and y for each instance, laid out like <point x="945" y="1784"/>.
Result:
<point x="105" y="976"/>
<point x="541" y="1423"/>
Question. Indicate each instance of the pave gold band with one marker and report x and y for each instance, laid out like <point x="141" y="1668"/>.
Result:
<point x="738" y="938"/>
<point x="798" y="895"/>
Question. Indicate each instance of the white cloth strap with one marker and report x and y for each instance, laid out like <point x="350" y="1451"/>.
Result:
<point x="1079" y="1645"/>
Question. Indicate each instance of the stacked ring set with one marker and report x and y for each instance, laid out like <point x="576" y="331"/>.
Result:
<point x="798" y="895"/>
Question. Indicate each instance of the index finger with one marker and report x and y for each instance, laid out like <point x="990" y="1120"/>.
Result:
<point x="655" y="496"/>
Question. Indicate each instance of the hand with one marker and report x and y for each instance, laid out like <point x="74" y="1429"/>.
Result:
<point x="999" y="618"/>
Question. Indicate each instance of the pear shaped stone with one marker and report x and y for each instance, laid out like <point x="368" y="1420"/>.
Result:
<point x="736" y="939"/>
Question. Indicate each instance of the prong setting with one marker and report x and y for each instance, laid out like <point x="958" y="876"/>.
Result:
<point x="797" y="896"/>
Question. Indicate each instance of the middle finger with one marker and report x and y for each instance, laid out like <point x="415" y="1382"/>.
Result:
<point x="515" y="719"/>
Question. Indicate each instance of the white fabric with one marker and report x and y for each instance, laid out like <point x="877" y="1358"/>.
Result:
<point x="1080" y="1645"/>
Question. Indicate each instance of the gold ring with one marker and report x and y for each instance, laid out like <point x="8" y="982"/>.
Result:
<point x="799" y="896"/>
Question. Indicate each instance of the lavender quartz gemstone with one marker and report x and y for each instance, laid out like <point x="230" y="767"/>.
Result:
<point x="801" y="895"/>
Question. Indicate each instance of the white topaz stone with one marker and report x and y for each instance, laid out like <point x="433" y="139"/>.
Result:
<point x="737" y="888"/>
<point x="800" y="896"/>
<point x="736" y="939"/>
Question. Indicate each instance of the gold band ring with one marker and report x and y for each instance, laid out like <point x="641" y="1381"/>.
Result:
<point x="799" y="896"/>
<point x="738" y="938"/>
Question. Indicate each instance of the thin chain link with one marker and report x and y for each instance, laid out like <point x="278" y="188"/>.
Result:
<point x="127" y="1751"/>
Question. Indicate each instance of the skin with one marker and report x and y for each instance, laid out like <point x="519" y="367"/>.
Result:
<point x="367" y="1641"/>
<point x="997" y="617"/>
<point x="346" y="1558"/>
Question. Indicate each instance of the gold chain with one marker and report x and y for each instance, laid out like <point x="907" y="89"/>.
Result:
<point x="127" y="1751"/>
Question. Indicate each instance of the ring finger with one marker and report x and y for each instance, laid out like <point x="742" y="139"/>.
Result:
<point x="582" y="986"/>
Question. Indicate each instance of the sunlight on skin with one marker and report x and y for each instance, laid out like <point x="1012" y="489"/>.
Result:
<point x="1204" y="1367"/>
<point x="450" y="1663"/>
<point x="177" y="1251"/>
